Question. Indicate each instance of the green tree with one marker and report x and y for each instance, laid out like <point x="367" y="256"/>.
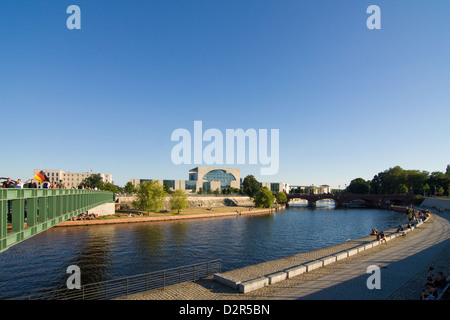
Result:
<point x="178" y="200"/>
<point x="264" y="198"/>
<point x="403" y="189"/>
<point x="150" y="196"/>
<point x="106" y="186"/>
<point x="129" y="188"/>
<point x="167" y="188"/>
<point x="281" y="197"/>
<point x="251" y="186"/>
<point x="93" y="181"/>
<point x="426" y="189"/>
<point x="358" y="186"/>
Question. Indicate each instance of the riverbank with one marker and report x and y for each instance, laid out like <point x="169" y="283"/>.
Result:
<point x="187" y="214"/>
<point x="427" y="245"/>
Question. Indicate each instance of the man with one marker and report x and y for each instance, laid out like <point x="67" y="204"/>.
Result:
<point x="32" y="184"/>
<point x="61" y="185"/>
<point x="19" y="183"/>
<point x="9" y="184"/>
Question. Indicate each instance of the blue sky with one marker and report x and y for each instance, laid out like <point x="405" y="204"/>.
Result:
<point x="348" y="101"/>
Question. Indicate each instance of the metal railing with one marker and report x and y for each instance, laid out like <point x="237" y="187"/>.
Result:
<point x="43" y="209"/>
<point x="123" y="287"/>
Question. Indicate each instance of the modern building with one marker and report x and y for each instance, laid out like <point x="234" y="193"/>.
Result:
<point x="70" y="179"/>
<point x="210" y="179"/>
<point x="205" y="178"/>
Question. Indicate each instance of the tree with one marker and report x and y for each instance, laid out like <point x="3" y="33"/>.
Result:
<point x="358" y="186"/>
<point x="251" y="186"/>
<point x="129" y="188"/>
<point x="281" y="197"/>
<point x="426" y="189"/>
<point x="178" y="200"/>
<point x="264" y="198"/>
<point x="150" y="196"/>
<point x="93" y="181"/>
<point x="402" y="189"/>
<point x="167" y="188"/>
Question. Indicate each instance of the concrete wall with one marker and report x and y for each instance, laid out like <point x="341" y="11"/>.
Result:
<point x="104" y="209"/>
<point x="436" y="203"/>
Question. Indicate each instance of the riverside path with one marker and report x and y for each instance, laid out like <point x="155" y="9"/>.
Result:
<point x="403" y="266"/>
<point x="398" y="263"/>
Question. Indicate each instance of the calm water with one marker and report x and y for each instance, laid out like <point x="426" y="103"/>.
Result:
<point x="114" y="251"/>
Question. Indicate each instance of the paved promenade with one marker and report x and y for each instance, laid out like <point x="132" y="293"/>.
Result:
<point x="403" y="262"/>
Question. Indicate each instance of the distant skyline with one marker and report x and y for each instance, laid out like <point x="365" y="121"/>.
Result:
<point x="348" y="101"/>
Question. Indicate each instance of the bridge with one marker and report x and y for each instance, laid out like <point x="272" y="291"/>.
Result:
<point x="27" y="212"/>
<point x="371" y="200"/>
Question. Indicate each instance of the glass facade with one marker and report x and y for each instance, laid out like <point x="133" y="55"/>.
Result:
<point x="219" y="175"/>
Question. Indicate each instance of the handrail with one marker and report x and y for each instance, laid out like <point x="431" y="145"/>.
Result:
<point x="123" y="287"/>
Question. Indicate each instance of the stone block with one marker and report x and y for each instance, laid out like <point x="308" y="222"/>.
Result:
<point x="328" y="260"/>
<point x="352" y="251"/>
<point x="254" y="284"/>
<point x="295" y="271"/>
<point x="313" y="265"/>
<point x="361" y="248"/>
<point x="341" y="255"/>
<point x="226" y="281"/>
<point x="277" y="277"/>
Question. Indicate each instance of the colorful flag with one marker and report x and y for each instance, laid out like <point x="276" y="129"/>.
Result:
<point x="41" y="177"/>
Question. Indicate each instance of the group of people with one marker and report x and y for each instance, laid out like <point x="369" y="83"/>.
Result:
<point x="31" y="183"/>
<point x="434" y="284"/>
<point x="380" y="235"/>
<point x="85" y="216"/>
<point x="12" y="184"/>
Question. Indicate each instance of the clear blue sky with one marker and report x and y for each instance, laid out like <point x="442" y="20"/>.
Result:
<point x="348" y="101"/>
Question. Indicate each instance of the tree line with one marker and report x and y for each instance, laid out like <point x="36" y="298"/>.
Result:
<point x="400" y="181"/>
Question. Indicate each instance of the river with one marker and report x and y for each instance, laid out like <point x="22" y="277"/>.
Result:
<point x="106" y="252"/>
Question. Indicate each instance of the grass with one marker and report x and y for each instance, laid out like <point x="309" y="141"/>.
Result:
<point x="123" y="214"/>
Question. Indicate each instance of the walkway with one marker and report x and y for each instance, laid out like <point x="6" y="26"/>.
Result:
<point x="403" y="262"/>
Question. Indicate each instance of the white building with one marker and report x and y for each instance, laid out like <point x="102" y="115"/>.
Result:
<point x="70" y="179"/>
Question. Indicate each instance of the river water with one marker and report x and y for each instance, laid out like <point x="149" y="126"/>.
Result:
<point x="107" y="252"/>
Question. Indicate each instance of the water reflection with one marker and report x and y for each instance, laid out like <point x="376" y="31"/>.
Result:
<point x="113" y="251"/>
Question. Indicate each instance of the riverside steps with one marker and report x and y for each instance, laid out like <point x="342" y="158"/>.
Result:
<point x="257" y="276"/>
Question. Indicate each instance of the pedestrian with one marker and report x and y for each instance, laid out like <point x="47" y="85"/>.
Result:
<point x="19" y="183"/>
<point x="32" y="184"/>
<point x="430" y="277"/>
<point x="61" y="185"/>
<point x="9" y="183"/>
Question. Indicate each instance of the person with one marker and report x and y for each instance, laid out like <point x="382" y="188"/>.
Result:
<point x="45" y="185"/>
<point x="53" y="186"/>
<point x="429" y="294"/>
<point x="19" y="183"/>
<point x="430" y="277"/>
<point x="440" y="281"/>
<point x="9" y="183"/>
<point x="61" y="185"/>
<point x="382" y="237"/>
<point x="400" y="228"/>
<point x="32" y="184"/>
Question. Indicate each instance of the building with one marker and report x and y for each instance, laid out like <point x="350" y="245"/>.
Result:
<point x="70" y="179"/>
<point x="276" y="186"/>
<point x="204" y="178"/>
<point x="211" y="179"/>
<point x="311" y="189"/>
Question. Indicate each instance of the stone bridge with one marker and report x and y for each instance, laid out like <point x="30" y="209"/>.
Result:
<point x="371" y="200"/>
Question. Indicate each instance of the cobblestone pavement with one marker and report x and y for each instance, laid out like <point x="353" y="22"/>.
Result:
<point x="405" y="279"/>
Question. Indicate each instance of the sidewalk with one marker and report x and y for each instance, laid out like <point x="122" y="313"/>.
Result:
<point x="403" y="264"/>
